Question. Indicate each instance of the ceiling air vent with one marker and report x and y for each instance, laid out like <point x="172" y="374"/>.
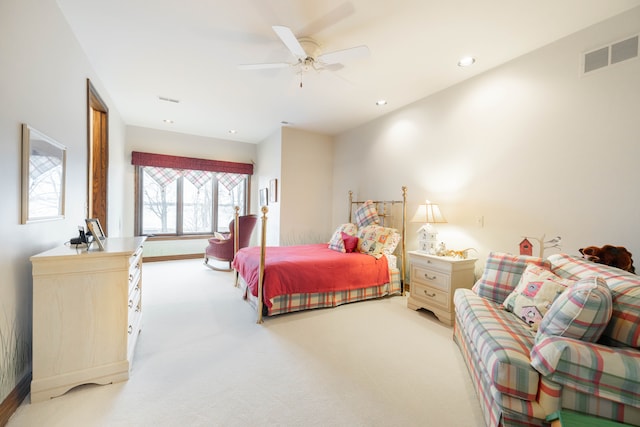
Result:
<point x="611" y="54"/>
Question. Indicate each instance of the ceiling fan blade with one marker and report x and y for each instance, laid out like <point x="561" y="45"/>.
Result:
<point x="344" y="55"/>
<point x="263" y="66"/>
<point x="290" y="40"/>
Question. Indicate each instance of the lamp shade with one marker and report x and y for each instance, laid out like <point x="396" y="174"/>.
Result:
<point x="429" y="213"/>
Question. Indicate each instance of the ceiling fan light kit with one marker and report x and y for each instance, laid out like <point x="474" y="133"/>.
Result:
<point x="308" y="56"/>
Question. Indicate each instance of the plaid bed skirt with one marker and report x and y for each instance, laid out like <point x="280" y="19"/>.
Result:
<point x="298" y="302"/>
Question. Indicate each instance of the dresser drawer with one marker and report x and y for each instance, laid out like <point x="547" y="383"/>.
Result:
<point x="134" y="280"/>
<point x="430" y="277"/>
<point x="430" y="295"/>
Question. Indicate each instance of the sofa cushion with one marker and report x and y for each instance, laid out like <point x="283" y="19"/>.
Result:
<point x="502" y="274"/>
<point x="537" y="290"/>
<point x="502" y="342"/>
<point x="590" y="368"/>
<point x="624" y="327"/>
<point x="582" y="312"/>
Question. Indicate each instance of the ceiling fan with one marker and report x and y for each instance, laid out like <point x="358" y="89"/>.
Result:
<point x="308" y="56"/>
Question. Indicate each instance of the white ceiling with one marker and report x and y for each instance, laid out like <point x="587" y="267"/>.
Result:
<point x="189" y="50"/>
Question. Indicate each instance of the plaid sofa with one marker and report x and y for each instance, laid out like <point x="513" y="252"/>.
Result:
<point x="521" y="377"/>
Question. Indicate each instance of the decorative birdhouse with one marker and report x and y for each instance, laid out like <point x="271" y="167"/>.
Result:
<point x="526" y="248"/>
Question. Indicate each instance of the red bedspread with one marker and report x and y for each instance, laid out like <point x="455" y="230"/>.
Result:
<point x="309" y="269"/>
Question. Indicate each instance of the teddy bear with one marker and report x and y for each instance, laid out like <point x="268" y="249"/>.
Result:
<point x="615" y="256"/>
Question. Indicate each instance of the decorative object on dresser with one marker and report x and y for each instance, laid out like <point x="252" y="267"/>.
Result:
<point x="428" y="214"/>
<point x="87" y="313"/>
<point x="434" y="279"/>
<point x="95" y="231"/>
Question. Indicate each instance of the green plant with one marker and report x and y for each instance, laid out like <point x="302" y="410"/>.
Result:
<point x="15" y="356"/>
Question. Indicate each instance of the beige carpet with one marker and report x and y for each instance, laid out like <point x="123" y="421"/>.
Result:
<point x="201" y="360"/>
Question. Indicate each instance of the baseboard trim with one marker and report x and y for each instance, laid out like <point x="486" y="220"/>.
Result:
<point x="171" y="257"/>
<point x="14" y="399"/>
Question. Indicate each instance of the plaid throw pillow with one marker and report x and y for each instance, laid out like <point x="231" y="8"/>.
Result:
<point x="581" y="312"/>
<point x="502" y="273"/>
<point x="366" y="214"/>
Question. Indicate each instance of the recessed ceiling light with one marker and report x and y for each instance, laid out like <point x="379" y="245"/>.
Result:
<point x="233" y="131"/>
<point x="381" y="102"/>
<point x="284" y="123"/>
<point x="466" y="61"/>
<point x="168" y="121"/>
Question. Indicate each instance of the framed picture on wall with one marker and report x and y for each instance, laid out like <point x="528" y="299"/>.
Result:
<point x="273" y="190"/>
<point x="264" y="197"/>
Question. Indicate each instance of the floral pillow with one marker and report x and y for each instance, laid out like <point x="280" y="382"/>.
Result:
<point x="366" y="214"/>
<point x="581" y="312"/>
<point x="392" y="243"/>
<point x="373" y="238"/>
<point x="537" y="290"/>
<point x="337" y="242"/>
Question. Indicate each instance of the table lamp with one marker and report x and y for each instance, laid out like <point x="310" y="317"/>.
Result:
<point x="429" y="214"/>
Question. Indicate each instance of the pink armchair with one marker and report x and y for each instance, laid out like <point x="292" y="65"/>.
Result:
<point x="222" y="249"/>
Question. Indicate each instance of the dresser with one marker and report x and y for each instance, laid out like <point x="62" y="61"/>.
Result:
<point x="87" y="314"/>
<point x="434" y="279"/>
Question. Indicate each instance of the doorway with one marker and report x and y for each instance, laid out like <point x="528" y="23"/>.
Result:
<point x="98" y="156"/>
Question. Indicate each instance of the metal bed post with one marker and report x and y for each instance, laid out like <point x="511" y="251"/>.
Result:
<point x="262" y="257"/>
<point x="404" y="237"/>
<point x="236" y="228"/>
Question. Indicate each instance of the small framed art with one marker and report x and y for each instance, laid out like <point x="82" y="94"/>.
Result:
<point x="264" y="197"/>
<point x="273" y="190"/>
<point x="93" y="225"/>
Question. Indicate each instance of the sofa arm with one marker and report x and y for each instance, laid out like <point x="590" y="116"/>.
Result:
<point x="607" y="372"/>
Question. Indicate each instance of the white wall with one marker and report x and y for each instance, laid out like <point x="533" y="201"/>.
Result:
<point x="43" y="74"/>
<point x="268" y="167"/>
<point x="531" y="146"/>
<point x="307" y="187"/>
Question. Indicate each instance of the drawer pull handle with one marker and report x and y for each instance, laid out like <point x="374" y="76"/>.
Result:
<point x="426" y="276"/>
<point x="428" y="294"/>
<point x="130" y="330"/>
<point x="130" y="303"/>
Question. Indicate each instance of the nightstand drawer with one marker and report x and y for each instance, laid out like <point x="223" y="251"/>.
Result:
<point x="435" y="264"/>
<point x="430" y="277"/>
<point x="432" y="295"/>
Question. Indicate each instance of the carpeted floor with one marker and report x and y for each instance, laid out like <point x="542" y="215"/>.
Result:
<point x="201" y="360"/>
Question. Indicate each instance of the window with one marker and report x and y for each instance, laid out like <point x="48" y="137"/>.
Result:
<point x="182" y="201"/>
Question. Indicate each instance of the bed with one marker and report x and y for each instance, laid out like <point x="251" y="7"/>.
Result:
<point x="363" y="260"/>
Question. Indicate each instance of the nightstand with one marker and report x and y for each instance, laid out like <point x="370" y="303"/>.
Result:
<point x="434" y="279"/>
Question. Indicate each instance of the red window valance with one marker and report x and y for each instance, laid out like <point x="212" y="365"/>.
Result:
<point x="177" y="162"/>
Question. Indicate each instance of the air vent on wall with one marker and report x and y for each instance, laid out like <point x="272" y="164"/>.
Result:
<point x="611" y="54"/>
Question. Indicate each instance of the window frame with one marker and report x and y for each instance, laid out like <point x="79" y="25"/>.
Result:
<point x="139" y="207"/>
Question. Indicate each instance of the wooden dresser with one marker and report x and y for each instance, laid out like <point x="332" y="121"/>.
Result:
<point x="87" y="313"/>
